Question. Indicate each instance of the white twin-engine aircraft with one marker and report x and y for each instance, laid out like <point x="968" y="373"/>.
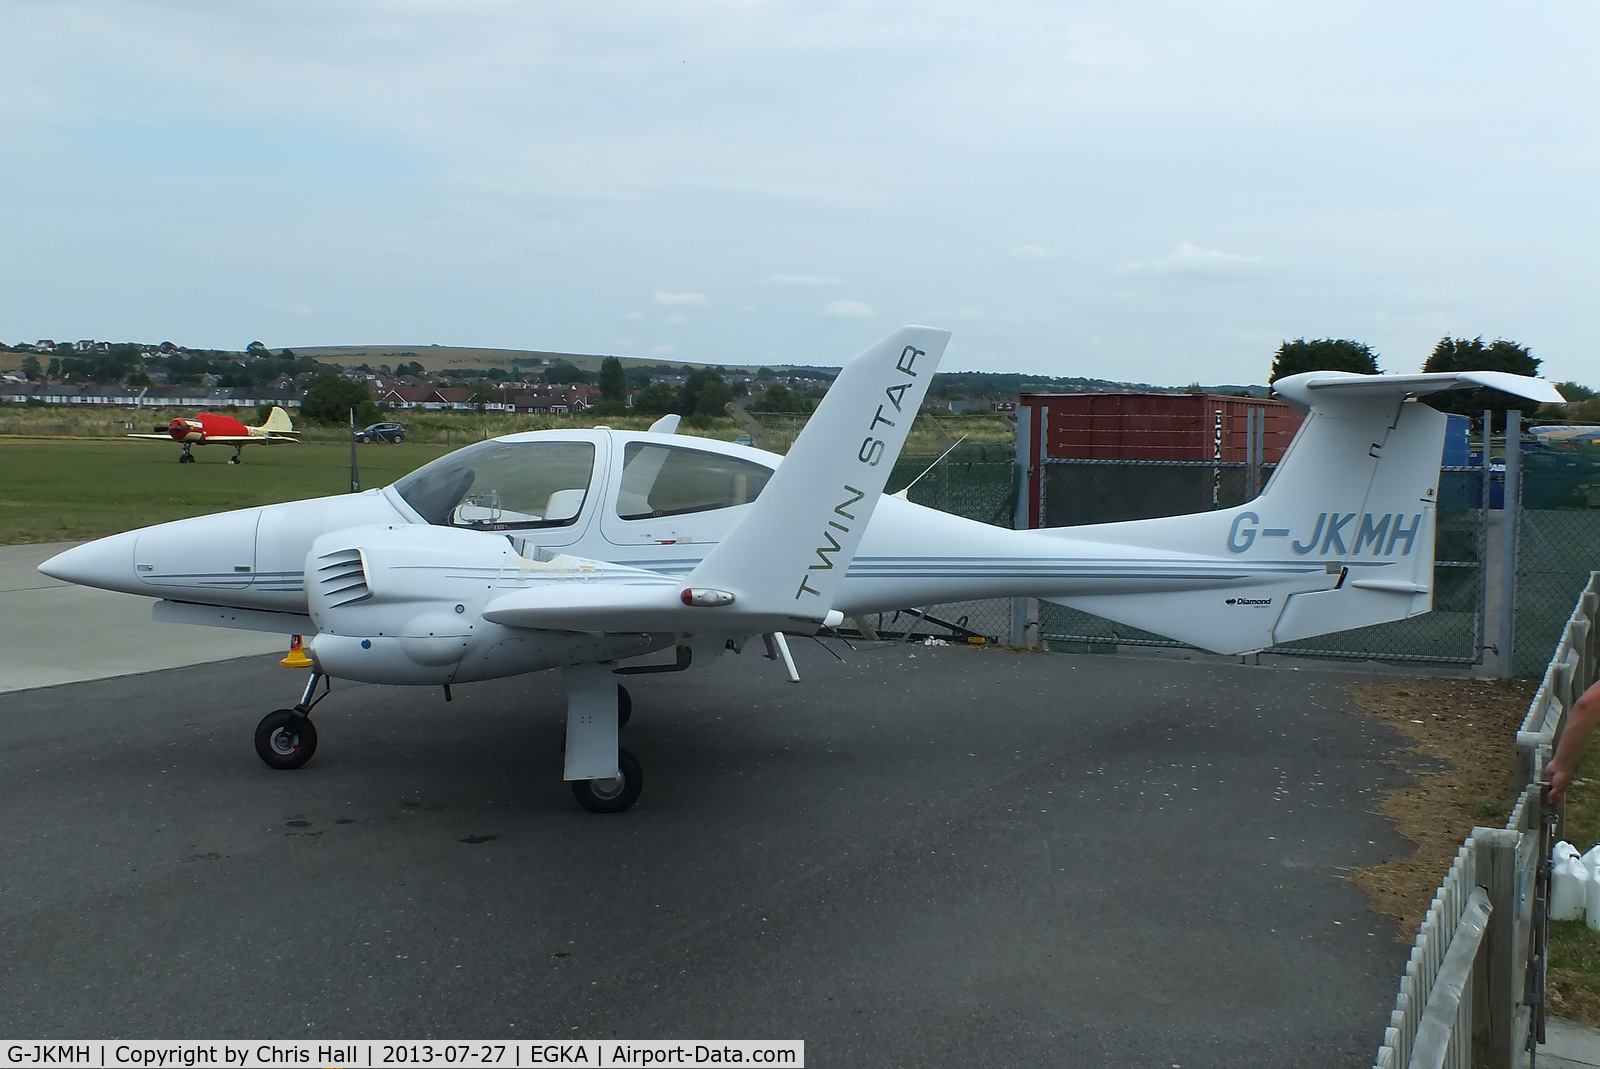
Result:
<point x="602" y="551"/>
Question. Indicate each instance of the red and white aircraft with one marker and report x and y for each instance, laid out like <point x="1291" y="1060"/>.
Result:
<point x="209" y="427"/>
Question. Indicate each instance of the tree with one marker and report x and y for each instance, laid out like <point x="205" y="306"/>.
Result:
<point x="779" y="398"/>
<point x="562" y="372"/>
<point x="329" y="399"/>
<point x="1459" y="354"/>
<point x="705" y="394"/>
<point x="255" y="348"/>
<point x="31" y="368"/>
<point x="656" y="399"/>
<point x="481" y="394"/>
<point x="613" y="382"/>
<point x="52" y="370"/>
<point x="1323" y="354"/>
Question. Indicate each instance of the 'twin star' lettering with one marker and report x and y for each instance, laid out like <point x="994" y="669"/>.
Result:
<point x="871" y="453"/>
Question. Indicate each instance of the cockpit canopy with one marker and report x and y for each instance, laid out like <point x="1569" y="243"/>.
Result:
<point x="521" y="482"/>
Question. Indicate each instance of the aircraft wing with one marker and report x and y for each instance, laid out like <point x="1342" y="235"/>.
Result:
<point x="223" y="439"/>
<point x="577" y="594"/>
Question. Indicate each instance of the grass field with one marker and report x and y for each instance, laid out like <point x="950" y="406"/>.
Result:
<point x="55" y="490"/>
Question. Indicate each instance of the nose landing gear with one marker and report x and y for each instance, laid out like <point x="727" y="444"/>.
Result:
<point x="286" y="738"/>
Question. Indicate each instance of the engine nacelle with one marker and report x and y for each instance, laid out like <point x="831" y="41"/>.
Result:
<point x="404" y="604"/>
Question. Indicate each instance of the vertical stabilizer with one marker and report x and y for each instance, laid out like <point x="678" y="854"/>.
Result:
<point x="278" y="422"/>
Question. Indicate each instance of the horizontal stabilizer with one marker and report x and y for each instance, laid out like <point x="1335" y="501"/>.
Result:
<point x="1317" y="387"/>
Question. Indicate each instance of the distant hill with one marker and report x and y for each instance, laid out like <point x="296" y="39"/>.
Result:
<point x="444" y="359"/>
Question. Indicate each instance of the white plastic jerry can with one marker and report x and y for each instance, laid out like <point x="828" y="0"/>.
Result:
<point x="1591" y="894"/>
<point x="1569" y="889"/>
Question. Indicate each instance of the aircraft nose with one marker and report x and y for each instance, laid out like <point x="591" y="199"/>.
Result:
<point x="106" y="563"/>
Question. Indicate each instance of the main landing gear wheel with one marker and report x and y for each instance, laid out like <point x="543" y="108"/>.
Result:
<point x="185" y="458"/>
<point x="612" y="795"/>
<point x="286" y="739"/>
<point x="234" y="459"/>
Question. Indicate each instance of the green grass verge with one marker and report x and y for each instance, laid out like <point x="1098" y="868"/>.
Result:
<point x="62" y="490"/>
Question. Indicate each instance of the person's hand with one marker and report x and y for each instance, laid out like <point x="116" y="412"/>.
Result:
<point x="1560" y="779"/>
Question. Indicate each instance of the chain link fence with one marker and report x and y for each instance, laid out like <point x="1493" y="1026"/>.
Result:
<point x="1556" y="550"/>
<point x="978" y="489"/>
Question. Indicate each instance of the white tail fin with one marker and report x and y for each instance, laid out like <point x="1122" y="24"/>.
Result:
<point x="787" y="558"/>
<point x="1343" y="536"/>
<point x="278" y="422"/>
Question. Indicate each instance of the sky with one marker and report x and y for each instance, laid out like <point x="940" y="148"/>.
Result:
<point x="1145" y="192"/>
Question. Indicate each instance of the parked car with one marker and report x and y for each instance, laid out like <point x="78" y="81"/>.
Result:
<point x="382" y="432"/>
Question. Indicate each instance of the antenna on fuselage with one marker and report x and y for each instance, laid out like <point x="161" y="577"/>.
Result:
<point x="902" y="491"/>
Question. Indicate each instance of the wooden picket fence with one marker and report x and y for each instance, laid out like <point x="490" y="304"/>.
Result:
<point x="1472" y="989"/>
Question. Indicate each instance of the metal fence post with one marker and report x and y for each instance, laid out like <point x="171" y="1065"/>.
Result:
<point x="1496" y="984"/>
<point x="1510" y="517"/>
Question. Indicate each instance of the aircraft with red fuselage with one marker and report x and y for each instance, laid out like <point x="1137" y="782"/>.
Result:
<point x="215" y="428"/>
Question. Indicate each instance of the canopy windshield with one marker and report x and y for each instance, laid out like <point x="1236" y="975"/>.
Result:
<point x="503" y="486"/>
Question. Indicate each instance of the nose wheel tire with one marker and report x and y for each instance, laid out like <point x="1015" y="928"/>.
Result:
<point x="286" y="740"/>
<point x="612" y="795"/>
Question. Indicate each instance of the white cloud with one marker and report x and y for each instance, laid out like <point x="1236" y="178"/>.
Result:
<point x="633" y="315"/>
<point x="1032" y="252"/>
<point x="847" y="309"/>
<point x="663" y="350"/>
<point x="677" y="319"/>
<point x="805" y="280"/>
<point x="675" y="299"/>
<point x="1188" y="258"/>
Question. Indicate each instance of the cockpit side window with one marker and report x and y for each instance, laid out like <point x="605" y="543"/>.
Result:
<point x="660" y="480"/>
<point x="503" y="486"/>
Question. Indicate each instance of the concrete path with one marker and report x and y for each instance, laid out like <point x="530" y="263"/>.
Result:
<point x="1569" y="1046"/>
<point x="54" y="632"/>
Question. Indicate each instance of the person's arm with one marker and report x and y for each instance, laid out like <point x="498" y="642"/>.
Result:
<point x="1580" y="722"/>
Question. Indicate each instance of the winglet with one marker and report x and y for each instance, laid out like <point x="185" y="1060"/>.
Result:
<point x="786" y="559"/>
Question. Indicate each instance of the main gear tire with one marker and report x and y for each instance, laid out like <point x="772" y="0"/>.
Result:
<point x="285" y="739"/>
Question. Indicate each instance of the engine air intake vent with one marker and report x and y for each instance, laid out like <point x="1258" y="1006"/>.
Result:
<point x="342" y="577"/>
